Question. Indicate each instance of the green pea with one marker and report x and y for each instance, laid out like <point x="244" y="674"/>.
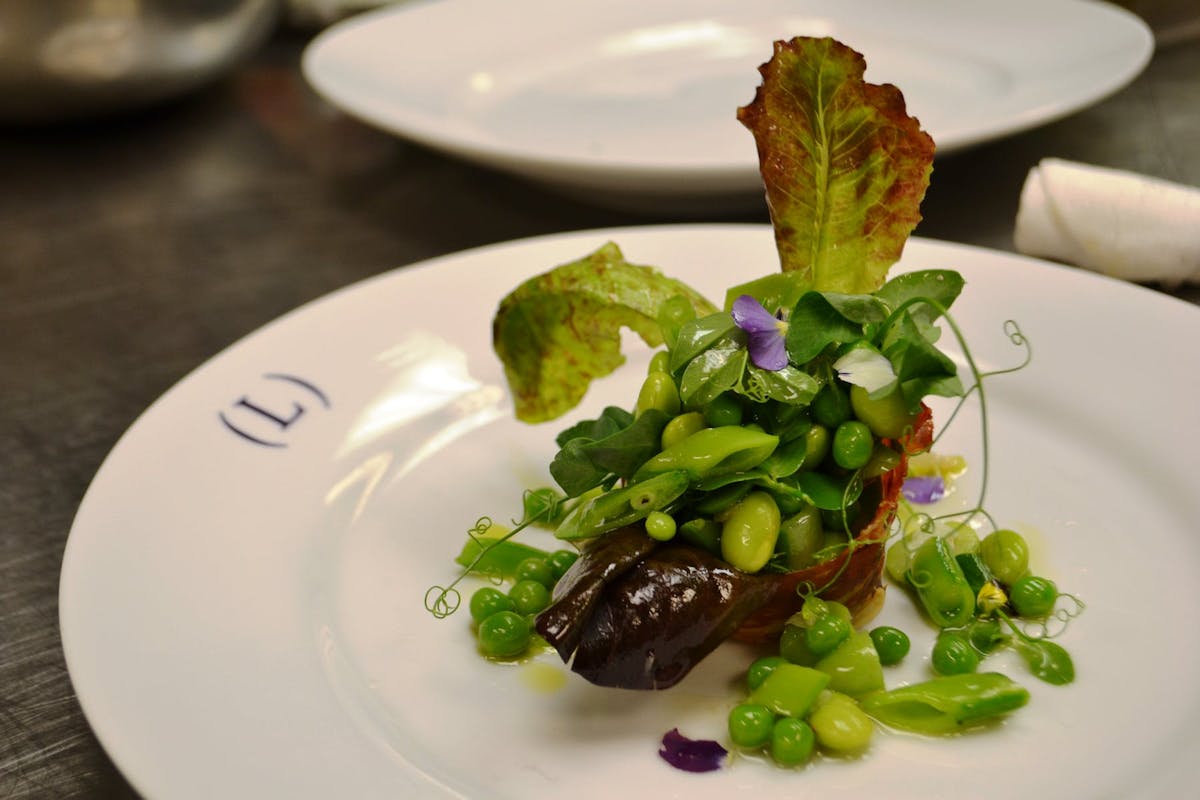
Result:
<point x="725" y="409"/>
<point x="841" y="519"/>
<point x="504" y="634"/>
<point x="841" y="726"/>
<point x="681" y="427"/>
<point x="1006" y="555"/>
<point x="750" y="725"/>
<point x="1033" y="596"/>
<point x="892" y="644"/>
<point x="852" y="444"/>
<point x="826" y="633"/>
<point x="536" y="569"/>
<point x="658" y="391"/>
<point x="659" y="362"/>
<point x="488" y="601"/>
<point x="529" y="597"/>
<point x="560" y="561"/>
<point x="760" y="669"/>
<point x="887" y="417"/>
<point x="660" y="526"/>
<point x="831" y="406"/>
<point x="793" y="645"/>
<point x="953" y="655"/>
<point x="792" y="742"/>
<point x="749" y="532"/>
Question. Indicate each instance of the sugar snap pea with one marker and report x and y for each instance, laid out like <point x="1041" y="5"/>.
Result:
<point x="711" y="452"/>
<point x="941" y="585"/>
<point x="947" y="704"/>
<point x="620" y="507"/>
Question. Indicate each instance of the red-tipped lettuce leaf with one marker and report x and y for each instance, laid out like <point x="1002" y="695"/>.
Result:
<point x="844" y="166"/>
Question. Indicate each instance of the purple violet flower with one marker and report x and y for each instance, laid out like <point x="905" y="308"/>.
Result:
<point x="767" y="332"/>
<point x="691" y="755"/>
<point x="923" y="489"/>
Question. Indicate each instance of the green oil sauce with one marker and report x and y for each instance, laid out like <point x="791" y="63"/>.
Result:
<point x="543" y="678"/>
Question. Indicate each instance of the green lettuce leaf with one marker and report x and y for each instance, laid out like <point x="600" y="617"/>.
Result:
<point x="844" y="166"/>
<point x="558" y="331"/>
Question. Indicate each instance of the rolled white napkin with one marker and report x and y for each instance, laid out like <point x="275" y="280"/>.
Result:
<point x="1119" y="223"/>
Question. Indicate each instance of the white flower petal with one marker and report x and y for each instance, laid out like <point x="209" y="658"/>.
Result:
<point x="865" y="367"/>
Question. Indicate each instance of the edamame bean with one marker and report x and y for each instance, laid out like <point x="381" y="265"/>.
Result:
<point x="892" y="644"/>
<point x="659" y="362"/>
<point x="488" y="601"/>
<point x="750" y="725"/>
<point x="841" y="726"/>
<point x="852" y="444"/>
<point x="816" y="443"/>
<point x="660" y="526"/>
<point x="658" y="391"/>
<point x="681" y="427"/>
<point x="750" y="531"/>
<point x="886" y="416"/>
<point x="529" y="597"/>
<point x="504" y="634"/>
<point x="792" y="742"/>
<point x="800" y="537"/>
<point x="1006" y="555"/>
<point x="1033" y="596"/>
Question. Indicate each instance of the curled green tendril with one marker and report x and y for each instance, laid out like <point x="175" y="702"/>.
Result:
<point x="446" y="599"/>
<point x="444" y="602"/>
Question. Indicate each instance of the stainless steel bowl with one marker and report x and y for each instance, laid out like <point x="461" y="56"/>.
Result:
<point x="62" y="59"/>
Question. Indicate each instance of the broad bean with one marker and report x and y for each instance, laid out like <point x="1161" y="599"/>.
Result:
<point x="658" y="392"/>
<point x="841" y="726"/>
<point x="1006" y="555"/>
<point x="681" y="427"/>
<point x="886" y="416"/>
<point x="749" y="532"/>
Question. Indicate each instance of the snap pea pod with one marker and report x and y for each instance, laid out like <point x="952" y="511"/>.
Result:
<point x="488" y="556"/>
<point x="947" y="704"/>
<point x="712" y="451"/>
<point x="620" y="507"/>
<point x="853" y="667"/>
<point x="941" y="585"/>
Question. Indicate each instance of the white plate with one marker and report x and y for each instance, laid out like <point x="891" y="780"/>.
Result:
<point x="242" y="600"/>
<point x="627" y="97"/>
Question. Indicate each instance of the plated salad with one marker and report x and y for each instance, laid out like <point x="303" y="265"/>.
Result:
<point x="775" y="463"/>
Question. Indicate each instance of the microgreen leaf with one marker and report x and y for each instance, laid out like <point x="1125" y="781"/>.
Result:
<point x="814" y="324"/>
<point x="713" y="371"/>
<point x="558" y="331"/>
<point x="698" y="335"/>
<point x="584" y="462"/>
<point x="845" y="167"/>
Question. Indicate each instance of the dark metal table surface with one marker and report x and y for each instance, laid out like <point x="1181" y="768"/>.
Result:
<point x="134" y="249"/>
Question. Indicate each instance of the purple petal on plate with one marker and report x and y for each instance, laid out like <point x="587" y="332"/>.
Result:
<point x="691" y="755"/>
<point x="924" y="489"/>
<point x="750" y="316"/>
